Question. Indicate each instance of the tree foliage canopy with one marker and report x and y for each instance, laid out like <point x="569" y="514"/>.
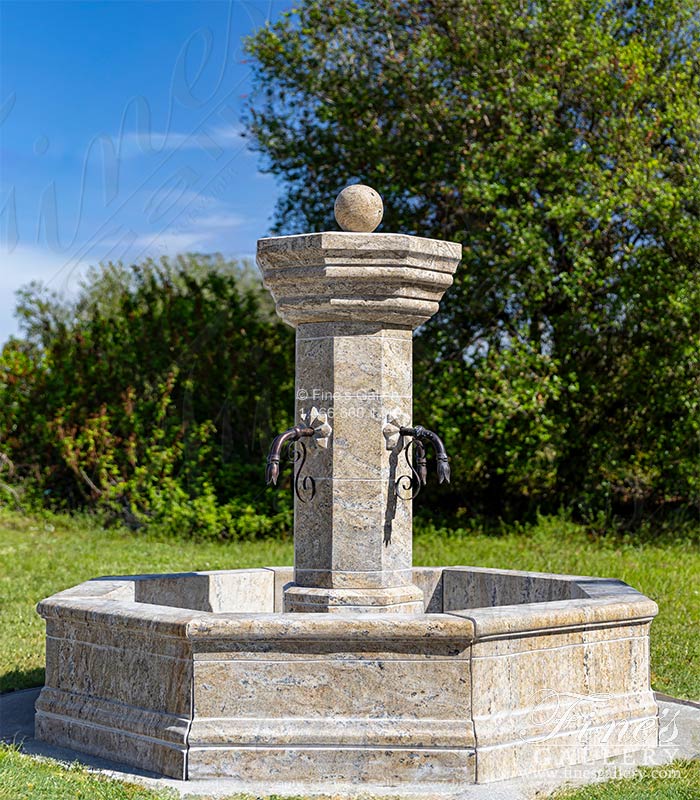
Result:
<point x="559" y="142"/>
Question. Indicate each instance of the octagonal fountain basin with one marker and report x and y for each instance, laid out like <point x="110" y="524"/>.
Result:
<point x="200" y="675"/>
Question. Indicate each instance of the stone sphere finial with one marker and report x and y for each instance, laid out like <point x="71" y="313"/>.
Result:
<point x="358" y="208"/>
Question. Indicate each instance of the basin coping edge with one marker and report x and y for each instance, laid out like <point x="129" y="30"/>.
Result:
<point x="190" y="624"/>
<point x="357" y="627"/>
<point x="559" y="615"/>
<point x="110" y="601"/>
<point x="125" y="614"/>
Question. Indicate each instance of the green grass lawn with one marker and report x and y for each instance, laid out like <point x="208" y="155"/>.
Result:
<point x="41" y="555"/>
<point x="25" y="778"/>
<point x="668" y="572"/>
<point x="679" y="780"/>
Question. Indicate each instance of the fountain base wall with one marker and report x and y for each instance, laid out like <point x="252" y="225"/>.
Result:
<point x="504" y="674"/>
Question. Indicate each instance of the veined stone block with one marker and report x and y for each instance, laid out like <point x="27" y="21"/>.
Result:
<point x="446" y="695"/>
<point x="355" y="299"/>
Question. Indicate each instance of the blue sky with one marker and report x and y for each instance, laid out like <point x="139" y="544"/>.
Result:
<point x="120" y="136"/>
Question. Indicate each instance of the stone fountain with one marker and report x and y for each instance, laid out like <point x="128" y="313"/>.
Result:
<point x="353" y="667"/>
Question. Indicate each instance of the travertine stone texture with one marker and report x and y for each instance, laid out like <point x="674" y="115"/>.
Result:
<point x="331" y="765"/>
<point x="453" y="695"/>
<point x="551" y="699"/>
<point x="284" y="577"/>
<point x="355" y="533"/>
<point x="471" y="587"/>
<point x="118" y="680"/>
<point x="358" y="208"/>
<point x="386" y="278"/>
<point x="349" y="697"/>
<point x="561" y="681"/>
<point x="429" y="580"/>
<point x="355" y="300"/>
<point x="242" y="590"/>
<point x="395" y="599"/>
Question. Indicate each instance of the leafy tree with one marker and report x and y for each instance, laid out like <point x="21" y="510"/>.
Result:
<point x="154" y="395"/>
<point x="559" y="142"/>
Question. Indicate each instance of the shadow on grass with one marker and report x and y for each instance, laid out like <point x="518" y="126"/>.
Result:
<point x="21" y="679"/>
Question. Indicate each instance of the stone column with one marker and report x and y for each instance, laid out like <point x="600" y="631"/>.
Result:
<point x="355" y="299"/>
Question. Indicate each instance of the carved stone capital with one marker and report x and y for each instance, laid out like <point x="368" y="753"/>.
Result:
<point x="388" y="278"/>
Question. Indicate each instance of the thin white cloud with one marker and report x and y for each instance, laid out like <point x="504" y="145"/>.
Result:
<point x="231" y="134"/>
<point x="27" y="263"/>
<point x="178" y="197"/>
<point x="170" y="242"/>
<point x="221" y="221"/>
<point x="193" y="222"/>
<point x="155" y="142"/>
<point x="200" y="233"/>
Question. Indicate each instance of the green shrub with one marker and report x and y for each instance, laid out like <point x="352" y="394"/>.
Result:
<point x="152" y="398"/>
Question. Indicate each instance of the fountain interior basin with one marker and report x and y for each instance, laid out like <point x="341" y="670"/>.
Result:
<point x="201" y="674"/>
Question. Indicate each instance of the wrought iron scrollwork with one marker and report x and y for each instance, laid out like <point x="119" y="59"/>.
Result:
<point x="304" y="488"/>
<point x="290" y="443"/>
<point x="408" y="485"/>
